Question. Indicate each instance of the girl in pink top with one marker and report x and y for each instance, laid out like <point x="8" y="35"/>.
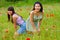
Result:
<point x="16" y="20"/>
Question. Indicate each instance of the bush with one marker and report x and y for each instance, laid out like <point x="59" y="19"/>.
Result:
<point x="14" y="0"/>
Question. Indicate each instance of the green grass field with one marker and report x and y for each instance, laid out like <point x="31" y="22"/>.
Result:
<point x="50" y="27"/>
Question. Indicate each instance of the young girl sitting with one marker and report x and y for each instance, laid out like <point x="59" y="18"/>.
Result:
<point x="35" y="19"/>
<point x="16" y="20"/>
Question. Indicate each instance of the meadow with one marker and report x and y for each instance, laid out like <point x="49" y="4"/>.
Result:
<point x="50" y="26"/>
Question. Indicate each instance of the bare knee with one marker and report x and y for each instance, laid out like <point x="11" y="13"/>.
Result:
<point x="16" y="34"/>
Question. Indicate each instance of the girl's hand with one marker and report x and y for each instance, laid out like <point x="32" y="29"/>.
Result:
<point x="38" y="30"/>
<point x="35" y="30"/>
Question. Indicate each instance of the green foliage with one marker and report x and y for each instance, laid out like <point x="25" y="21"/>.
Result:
<point x="6" y="3"/>
<point x="50" y="27"/>
<point x="13" y="0"/>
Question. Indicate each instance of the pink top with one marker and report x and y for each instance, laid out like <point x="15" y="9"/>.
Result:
<point x="19" y="20"/>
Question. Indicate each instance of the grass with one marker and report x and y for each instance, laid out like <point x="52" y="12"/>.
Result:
<point x="50" y="27"/>
<point x="4" y="3"/>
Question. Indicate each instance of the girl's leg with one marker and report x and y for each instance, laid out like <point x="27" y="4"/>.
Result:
<point x="19" y="31"/>
<point x="15" y="35"/>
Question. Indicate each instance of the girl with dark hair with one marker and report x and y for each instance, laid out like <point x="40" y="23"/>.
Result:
<point x="34" y="21"/>
<point x="16" y="20"/>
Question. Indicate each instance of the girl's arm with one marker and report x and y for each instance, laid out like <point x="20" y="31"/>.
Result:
<point x="39" y="23"/>
<point x="32" y="22"/>
<point x="14" y="22"/>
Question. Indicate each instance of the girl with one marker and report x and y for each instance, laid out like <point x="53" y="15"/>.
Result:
<point x="34" y="21"/>
<point x="16" y="20"/>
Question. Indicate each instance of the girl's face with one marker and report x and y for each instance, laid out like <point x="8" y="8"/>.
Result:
<point x="9" y="12"/>
<point x="37" y="7"/>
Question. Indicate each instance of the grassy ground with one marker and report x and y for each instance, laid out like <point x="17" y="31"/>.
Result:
<point x="50" y="27"/>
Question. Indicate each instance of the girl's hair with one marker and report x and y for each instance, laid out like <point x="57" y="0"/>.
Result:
<point x="41" y="10"/>
<point x="13" y="12"/>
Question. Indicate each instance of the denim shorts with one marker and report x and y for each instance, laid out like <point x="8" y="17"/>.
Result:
<point x="22" y="28"/>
